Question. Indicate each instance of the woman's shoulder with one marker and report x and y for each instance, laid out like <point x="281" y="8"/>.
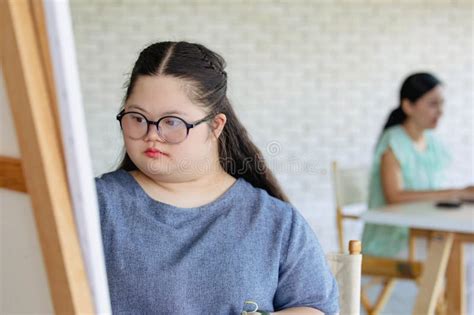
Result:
<point x="397" y="140"/>
<point x="111" y="181"/>
<point x="268" y="205"/>
<point x="394" y="134"/>
<point x="250" y="189"/>
<point x="117" y="174"/>
<point x="110" y="175"/>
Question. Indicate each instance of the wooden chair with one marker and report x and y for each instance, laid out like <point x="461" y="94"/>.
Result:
<point x="346" y="268"/>
<point x="351" y="187"/>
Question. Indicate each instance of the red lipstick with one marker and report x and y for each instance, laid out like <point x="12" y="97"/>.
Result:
<point x="153" y="153"/>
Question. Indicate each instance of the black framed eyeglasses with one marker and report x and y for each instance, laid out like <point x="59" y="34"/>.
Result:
<point x="171" y="129"/>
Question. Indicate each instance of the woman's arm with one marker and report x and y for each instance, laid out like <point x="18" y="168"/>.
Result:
<point x="295" y="311"/>
<point x="299" y="311"/>
<point x="392" y="183"/>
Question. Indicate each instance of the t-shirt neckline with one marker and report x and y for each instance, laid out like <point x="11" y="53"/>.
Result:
<point x="228" y="194"/>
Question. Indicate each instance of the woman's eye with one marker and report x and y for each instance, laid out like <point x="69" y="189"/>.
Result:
<point x="137" y="119"/>
<point x="171" y="122"/>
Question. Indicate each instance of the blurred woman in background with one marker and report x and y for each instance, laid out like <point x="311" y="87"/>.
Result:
<point x="409" y="161"/>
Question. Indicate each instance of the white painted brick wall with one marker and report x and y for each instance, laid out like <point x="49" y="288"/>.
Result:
<point x="315" y="78"/>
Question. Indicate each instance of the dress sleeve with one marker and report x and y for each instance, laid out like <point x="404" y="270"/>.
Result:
<point x="304" y="275"/>
<point x="393" y="139"/>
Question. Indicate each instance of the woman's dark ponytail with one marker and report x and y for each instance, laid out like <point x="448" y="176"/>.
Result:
<point x="396" y="117"/>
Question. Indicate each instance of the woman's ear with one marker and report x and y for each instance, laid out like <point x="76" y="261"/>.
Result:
<point x="218" y="123"/>
<point x="407" y="106"/>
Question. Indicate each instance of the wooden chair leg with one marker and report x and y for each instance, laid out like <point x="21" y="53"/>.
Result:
<point x="412" y="248"/>
<point x="340" y="231"/>
<point x="365" y="302"/>
<point x="383" y="296"/>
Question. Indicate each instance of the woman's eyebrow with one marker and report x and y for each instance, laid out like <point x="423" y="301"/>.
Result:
<point x="137" y="107"/>
<point x="171" y="112"/>
<point x="174" y="112"/>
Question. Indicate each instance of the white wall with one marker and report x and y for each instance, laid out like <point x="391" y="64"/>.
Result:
<point x="23" y="281"/>
<point x="313" y="80"/>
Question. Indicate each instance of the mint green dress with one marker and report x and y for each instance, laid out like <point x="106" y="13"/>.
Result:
<point x="421" y="170"/>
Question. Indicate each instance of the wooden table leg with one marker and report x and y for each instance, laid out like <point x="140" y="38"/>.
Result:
<point x="455" y="284"/>
<point x="433" y="273"/>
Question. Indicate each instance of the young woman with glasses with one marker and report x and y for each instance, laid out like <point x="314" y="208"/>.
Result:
<point x="193" y="221"/>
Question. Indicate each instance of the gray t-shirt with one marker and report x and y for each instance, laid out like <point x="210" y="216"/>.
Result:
<point x="245" y="245"/>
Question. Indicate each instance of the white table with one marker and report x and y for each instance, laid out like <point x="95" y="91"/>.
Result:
<point x="450" y="227"/>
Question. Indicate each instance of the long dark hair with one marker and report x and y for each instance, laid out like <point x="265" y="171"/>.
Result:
<point x="413" y="88"/>
<point x="204" y="70"/>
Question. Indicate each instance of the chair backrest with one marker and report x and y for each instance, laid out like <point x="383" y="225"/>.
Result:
<point x="347" y="269"/>
<point x="351" y="185"/>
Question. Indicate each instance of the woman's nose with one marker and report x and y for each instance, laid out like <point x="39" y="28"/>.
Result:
<point x="153" y="134"/>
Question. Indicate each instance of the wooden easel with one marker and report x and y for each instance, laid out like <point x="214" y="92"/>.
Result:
<point x="41" y="171"/>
